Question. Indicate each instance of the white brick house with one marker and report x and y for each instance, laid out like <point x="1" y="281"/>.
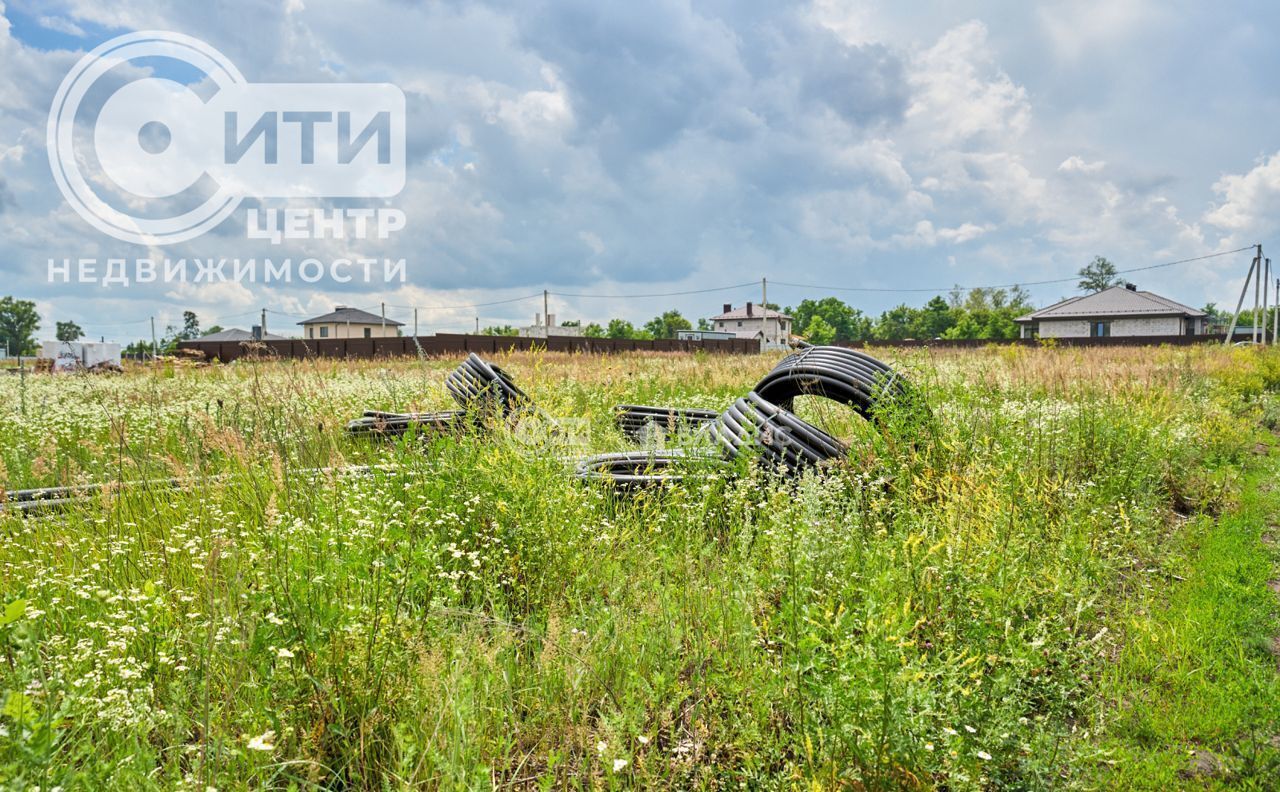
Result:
<point x="772" y="327"/>
<point x="1118" y="311"/>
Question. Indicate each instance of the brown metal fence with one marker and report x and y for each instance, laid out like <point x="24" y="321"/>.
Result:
<point x="968" y="343"/>
<point x="451" y="344"/>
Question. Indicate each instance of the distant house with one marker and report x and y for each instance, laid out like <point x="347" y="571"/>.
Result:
<point x="549" y="329"/>
<point x="1119" y="311"/>
<point x="236" y="335"/>
<point x="704" y="335"/>
<point x="754" y="321"/>
<point x="347" y="322"/>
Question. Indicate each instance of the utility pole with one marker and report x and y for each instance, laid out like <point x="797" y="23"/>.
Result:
<point x="415" y="322"/>
<point x="546" y="317"/>
<point x="155" y="348"/>
<point x="477" y="325"/>
<point x="1275" y="316"/>
<point x="764" y="305"/>
<point x="384" y="320"/>
<point x="264" y="325"/>
<point x="1235" y="316"/>
<point x="1257" y="288"/>
<point x="1266" y="279"/>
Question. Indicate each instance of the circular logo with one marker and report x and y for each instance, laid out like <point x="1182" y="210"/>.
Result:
<point x="149" y="138"/>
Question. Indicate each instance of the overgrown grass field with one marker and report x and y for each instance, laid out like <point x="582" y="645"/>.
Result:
<point x="1058" y="580"/>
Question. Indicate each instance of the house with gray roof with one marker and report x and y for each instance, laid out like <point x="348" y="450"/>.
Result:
<point x="235" y="334"/>
<point x="347" y="322"/>
<point x="1118" y="311"/>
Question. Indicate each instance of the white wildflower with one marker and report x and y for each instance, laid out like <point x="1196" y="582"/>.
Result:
<point x="263" y="742"/>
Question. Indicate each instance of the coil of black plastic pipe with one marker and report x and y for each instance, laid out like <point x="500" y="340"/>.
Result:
<point x="630" y="470"/>
<point x="478" y="384"/>
<point x="753" y="424"/>
<point x="480" y="387"/>
<point x="386" y="424"/>
<point x="844" y="375"/>
<point x="638" y="420"/>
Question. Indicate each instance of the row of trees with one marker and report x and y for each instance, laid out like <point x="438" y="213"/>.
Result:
<point x="664" y="326"/>
<point x="980" y="313"/>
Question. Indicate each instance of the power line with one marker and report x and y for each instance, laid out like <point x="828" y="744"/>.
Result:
<point x="751" y="284"/>
<point x="935" y="290"/>
<point x="471" y="305"/>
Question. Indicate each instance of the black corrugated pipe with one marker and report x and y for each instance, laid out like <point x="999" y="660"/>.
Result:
<point x="480" y="385"/>
<point x="752" y="424"/>
<point x="837" y="373"/>
<point x="636" y="469"/>
<point x="386" y="424"/>
<point x="637" y="420"/>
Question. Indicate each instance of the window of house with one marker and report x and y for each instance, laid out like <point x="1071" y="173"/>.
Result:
<point x="739" y="324"/>
<point x="1099" y="329"/>
<point x="311" y="332"/>
<point x="324" y="332"/>
<point x="368" y="332"/>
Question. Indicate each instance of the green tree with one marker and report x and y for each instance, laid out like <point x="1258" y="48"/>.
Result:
<point x="620" y="328"/>
<point x="967" y="326"/>
<point x="895" y="323"/>
<point x="933" y="320"/>
<point x="667" y="325"/>
<point x="819" y="332"/>
<point x="573" y="323"/>
<point x="67" y="331"/>
<point x="1097" y="275"/>
<point x="190" y="326"/>
<point x="18" y="325"/>
<point x="138" y="349"/>
<point x="500" y="330"/>
<point x="705" y="324"/>
<point x="212" y="330"/>
<point x="593" y="330"/>
<point x="850" y="324"/>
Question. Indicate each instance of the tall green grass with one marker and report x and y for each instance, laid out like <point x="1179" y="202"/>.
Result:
<point x="953" y="607"/>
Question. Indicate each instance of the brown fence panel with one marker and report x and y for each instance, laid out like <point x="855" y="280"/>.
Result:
<point x="359" y="347"/>
<point x="331" y="347"/>
<point x="973" y="343"/>
<point x="388" y="347"/>
<point x="458" y="345"/>
<point x="283" y="349"/>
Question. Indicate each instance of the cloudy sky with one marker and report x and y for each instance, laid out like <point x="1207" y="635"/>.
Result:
<point x="627" y="149"/>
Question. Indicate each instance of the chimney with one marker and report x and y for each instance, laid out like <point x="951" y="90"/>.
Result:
<point x="1133" y="287"/>
<point x="339" y="307"/>
<point x="748" y="309"/>
<point x="727" y="308"/>
<point x="537" y="320"/>
<point x="551" y="320"/>
<point x="257" y="332"/>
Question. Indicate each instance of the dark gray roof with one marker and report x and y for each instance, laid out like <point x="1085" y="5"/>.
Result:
<point x="1119" y="301"/>
<point x="236" y="334"/>
<point x="343" y="314"/>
